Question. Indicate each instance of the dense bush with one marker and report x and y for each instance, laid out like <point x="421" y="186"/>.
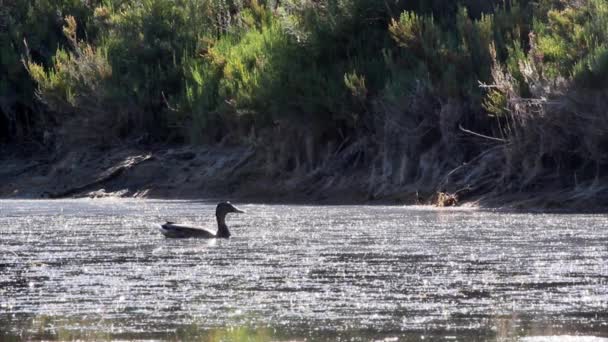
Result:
<point x="417" y="80"/>
<point x="186" y="64"/>
<point x="39" y="25"/>
<point x="556" y="127"/>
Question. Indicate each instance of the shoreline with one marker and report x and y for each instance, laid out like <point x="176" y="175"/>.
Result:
<point x="239" y="201"/>
<point x="238" y="174"/>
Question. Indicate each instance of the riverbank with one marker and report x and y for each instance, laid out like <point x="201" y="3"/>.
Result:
<point x="171" y="172"/>
<point x="238" y="173"/>
<point x="330" y="104"/>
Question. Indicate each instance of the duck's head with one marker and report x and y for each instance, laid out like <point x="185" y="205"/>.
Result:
<point x="224" y="208"/>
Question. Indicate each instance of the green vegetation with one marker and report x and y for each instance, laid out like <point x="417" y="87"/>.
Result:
<point x="60" y="328"/>
<point x="411" y="89"/>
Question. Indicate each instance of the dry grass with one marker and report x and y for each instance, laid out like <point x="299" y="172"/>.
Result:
<point x="556" y="139"/>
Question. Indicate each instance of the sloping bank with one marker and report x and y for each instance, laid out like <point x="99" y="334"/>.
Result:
<point x="165" y="172"/>
<point x="242" y="174"/>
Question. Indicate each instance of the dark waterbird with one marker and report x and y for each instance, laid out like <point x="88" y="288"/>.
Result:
<point x="176" y="230"/>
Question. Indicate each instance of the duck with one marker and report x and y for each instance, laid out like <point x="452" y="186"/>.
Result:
<point x="176" y="230"/>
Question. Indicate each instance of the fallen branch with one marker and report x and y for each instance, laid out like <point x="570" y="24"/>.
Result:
<point x="244" y="159"/>
<point x="482" y="135"/>
<point x="446" y="178"/>
<point x="110" y="175"/>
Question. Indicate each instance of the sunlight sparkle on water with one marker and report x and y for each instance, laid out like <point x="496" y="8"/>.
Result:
<point x="304" y="271"/>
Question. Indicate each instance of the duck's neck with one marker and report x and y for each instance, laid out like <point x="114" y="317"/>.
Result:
<point x="222" y="228"/>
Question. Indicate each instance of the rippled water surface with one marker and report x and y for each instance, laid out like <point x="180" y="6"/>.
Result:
<point x="98" y="269"/>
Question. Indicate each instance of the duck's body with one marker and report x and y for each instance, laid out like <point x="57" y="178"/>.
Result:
<point x="176" y="230"/>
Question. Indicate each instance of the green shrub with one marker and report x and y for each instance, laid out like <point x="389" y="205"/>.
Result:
<point x="455" y="59"/>
<point x="265" y="74"/>
<point x="239" y="75"/>
<point x="198" y="70"/>
<point x="75" y="89"/>
<point x="571" y="42"/>
<point x="37" y="24"/>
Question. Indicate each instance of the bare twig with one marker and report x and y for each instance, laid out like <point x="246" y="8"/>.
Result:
<point x="481" y="135"/>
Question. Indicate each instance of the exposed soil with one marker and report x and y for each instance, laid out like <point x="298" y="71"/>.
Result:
<point x="164" y="172"/>
<point x="236" y="173"/>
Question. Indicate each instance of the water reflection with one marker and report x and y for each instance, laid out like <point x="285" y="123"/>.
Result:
<point x="96" y="328"/>
<point x="99" y="270"/>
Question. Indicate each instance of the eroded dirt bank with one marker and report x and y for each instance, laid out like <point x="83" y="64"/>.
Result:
<point x="236" y="173"/>
<point x="166" y="172"/>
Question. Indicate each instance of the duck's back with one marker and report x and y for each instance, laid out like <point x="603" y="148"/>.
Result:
<point x="174" y="230"/>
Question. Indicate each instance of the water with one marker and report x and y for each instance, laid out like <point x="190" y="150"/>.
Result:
<point x="98" y="269"/>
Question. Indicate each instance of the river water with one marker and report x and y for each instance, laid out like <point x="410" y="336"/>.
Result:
<point x="99" y="269"/>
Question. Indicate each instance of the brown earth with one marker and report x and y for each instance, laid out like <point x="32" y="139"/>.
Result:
<point x="235" y="173"/>
<point x="164" y="172"/>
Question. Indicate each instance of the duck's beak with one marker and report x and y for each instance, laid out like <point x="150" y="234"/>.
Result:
<point x="238" y="211"/>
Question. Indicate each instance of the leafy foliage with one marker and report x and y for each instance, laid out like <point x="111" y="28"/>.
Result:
<point x="33" y="28"/>
<point x="293" y="71"/>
